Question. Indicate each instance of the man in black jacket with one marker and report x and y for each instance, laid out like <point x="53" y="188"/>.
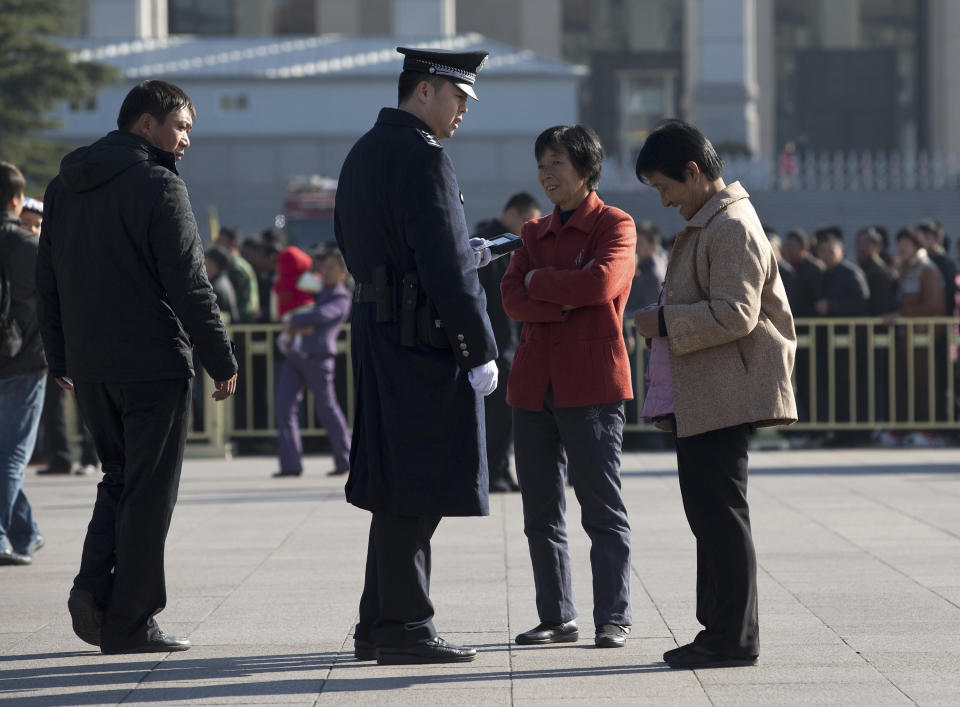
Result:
<point x="123" y="294"/>
<point x="22" y="372"/>
<point x="498" y="416"/>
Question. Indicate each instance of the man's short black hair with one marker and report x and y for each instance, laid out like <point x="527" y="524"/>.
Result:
<point x="829" y="233"/>
<point x="12" y="184"/>
<point x="156" y="97"/>
<point x="409" y="80"/>
<point x="671" y="145"/>
<point x="522" y="202"/>
<point x="273" y="236"/>
<point x="231" y="234"/>
<point x="800" y="236"/>
<point x="871" y="234"/>
<point x="909" y="234"/>
<point x="580" y="143"/>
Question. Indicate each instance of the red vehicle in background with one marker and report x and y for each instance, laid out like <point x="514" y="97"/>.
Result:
<point x="308" y="210"/>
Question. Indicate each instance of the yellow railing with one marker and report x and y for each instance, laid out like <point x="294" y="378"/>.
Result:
<point x="850" y="374"/>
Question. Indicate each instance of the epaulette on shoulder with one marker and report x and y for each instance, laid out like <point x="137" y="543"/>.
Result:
<point x="429" y="138"/>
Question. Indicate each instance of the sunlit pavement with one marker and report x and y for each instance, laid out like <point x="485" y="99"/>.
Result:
<point x="859" y="557"/>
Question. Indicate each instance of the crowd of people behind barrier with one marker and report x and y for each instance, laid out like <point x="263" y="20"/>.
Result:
<point x="911" y="275"/>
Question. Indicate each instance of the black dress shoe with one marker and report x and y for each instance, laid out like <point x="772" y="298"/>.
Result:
<point x="434" y="650"/>
<point x="339" y="472"/>
<point x="162" y="643"/>
<point x="86" y="615"/>
<point x="286" y="474"/>
<point x="692" y="657"/>
<point x="549" y="633"/>
<point x="611" y="636"/>
<point x="364" y="650"/>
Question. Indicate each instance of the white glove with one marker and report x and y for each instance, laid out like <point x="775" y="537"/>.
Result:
<point x="481" y="253"/>
<point x="484" y="378"/>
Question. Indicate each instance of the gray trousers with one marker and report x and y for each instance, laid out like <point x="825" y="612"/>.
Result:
<point x="589" y="439"/>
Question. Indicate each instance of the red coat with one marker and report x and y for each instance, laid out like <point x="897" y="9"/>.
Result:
<point x="291" y="264"/>
<point x="580" y="353"/>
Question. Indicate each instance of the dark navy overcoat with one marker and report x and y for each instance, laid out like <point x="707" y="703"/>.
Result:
<point x="418" y="435"/>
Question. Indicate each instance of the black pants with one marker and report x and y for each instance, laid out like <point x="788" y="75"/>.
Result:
<point x="140" y="430"/>
<point x="395" y="608"/>
<point x="53" y="431"/>
<point x="499" y="422"/>
<point x="713" y="482"/>
<point x="590" y="437"/>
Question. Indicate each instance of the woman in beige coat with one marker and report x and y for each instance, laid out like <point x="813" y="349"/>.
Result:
<point x="725" y="338"/>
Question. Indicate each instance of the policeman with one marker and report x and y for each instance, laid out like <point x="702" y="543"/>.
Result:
<point x="423" y="351"/>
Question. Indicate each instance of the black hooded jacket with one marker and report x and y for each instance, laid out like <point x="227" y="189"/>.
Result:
<point x="18" y="257"/>
<point x="120" y="272"/>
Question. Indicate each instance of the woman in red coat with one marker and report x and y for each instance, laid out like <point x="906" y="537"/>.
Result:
<point x="569" y="285"/>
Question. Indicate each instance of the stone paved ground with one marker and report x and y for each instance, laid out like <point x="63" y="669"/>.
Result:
<point x="859" y="555"/>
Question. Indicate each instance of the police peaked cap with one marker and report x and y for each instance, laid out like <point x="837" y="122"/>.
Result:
<point x="460" y="67"/>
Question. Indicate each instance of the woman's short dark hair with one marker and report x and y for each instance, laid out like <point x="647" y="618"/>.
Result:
<point x="409" y="80"/>
<point x="156" y="97"/>
<point x="671" y="145"/>
<point x="580" y="143"/>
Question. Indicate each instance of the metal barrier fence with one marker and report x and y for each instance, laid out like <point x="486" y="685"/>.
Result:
<point x="850" y="374"/>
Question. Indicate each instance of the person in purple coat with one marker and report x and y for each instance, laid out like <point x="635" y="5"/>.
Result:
<point x="311" y="347"/>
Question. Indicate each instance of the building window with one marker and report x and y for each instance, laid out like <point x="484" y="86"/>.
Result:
<point x="295" y="17"/>
<point x="233" y="102"/>
<point x="83" y="105"/>
<point x="202" y="17"/>
<point x="849" y="75"/>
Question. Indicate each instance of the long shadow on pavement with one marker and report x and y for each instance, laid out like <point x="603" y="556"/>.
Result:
<point x="872" y="470"/>
<point x="153" y="677"/>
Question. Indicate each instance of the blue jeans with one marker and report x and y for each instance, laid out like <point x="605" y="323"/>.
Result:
<point x="21" y="400"/>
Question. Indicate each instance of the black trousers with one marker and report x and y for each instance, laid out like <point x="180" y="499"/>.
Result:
<point x="591" y="438"/>
<point x="53" y="432"/>
<point x="395" y="608"/>
<point x="140" y="430"/>
<point x="499" y="422"/>
<point x="713" y="482"/>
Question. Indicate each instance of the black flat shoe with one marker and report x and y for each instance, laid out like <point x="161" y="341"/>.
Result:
<point x="549" y="633"/>
<point x="285" y="474"/>
<point x="611" y="636"/>
<point x="162" y="643"/>
<point x="364" y="650"/>
<point x="693" y="657"/>
<point x="86" y="616"/>
<point x="338" y="472"/>
<point x="434" y="650"/>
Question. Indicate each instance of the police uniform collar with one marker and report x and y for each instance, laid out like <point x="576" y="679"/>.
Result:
<point x="395" y="116"/>
<point x="583" y="219"/>
<point x="461" y="68"/>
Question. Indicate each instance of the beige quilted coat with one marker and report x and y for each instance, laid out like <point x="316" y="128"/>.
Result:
<point x="730" y="330"/>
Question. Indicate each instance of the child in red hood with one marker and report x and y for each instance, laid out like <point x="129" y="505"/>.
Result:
<point x="291" y="264"/>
